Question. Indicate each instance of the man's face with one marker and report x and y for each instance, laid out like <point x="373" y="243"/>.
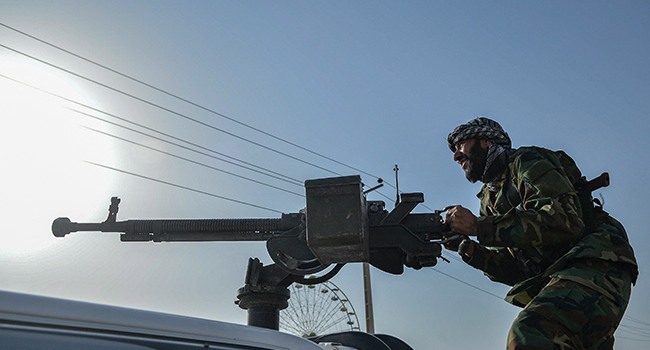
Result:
<point x="471" y="156"/>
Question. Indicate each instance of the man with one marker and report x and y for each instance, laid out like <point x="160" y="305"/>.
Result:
<point x="570" y="264"/>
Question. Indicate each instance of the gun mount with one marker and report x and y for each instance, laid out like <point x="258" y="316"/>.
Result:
<point x="338" y="226"/>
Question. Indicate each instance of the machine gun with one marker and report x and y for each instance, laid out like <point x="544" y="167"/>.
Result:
<point x="338" y="226"/>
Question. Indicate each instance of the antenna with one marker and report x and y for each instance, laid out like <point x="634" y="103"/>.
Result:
<point x="396" y="169"/>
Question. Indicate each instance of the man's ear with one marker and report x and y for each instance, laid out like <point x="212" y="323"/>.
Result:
<point x="485" y="143"/>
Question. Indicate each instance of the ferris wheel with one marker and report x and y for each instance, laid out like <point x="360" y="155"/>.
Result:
<point x="318" y="309"/>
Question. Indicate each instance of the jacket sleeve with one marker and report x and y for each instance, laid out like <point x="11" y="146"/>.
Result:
<point x="497" y="264"/>
<point x="548" y="213"/>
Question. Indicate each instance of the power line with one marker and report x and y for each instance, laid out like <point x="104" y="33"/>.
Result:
<point x="187" y="101"/>
<point x="453" y="256"/>
<point x="268" y="172"/>
<point x="148" y="128"/>
<point x="169" y="110"/>
<point x="142" y="176"/>
<point x="636" y="320"/>
<point x="632" y="339"/>
<point x="637" y="331"/>
<point x="194" y="162"/>
<point x="642" y="331"/>
<point x="193" y="119"/>
<point x="184" y="100"/>
<point x="467" y="284"/>
<point x="641" y="336"/>
<point x="296" y="181"/>
<point x="183" y="187"/>
<point x="134" y="123"/>
<point x="190" y="118"/>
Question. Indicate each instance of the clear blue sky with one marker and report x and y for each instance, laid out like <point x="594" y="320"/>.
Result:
<point x="370" y="84"/>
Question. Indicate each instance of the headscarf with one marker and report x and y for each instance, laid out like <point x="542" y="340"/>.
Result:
<point x="479" y="128"/>
<point x="498" y="151"/>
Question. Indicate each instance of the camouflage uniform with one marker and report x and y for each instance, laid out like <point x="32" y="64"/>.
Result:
<point x="573" y="283"/>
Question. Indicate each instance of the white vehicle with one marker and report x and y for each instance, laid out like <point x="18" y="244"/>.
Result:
<point x="37" y="322"/>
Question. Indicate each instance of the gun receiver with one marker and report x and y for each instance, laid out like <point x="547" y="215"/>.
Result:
<point x="337" y="227"/>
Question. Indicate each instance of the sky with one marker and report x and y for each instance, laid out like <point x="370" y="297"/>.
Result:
<point x="368" y="84"/>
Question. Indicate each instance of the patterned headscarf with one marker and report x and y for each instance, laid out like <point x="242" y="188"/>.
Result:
<point x="479" y="128"/>
<point x="498" y="152"/>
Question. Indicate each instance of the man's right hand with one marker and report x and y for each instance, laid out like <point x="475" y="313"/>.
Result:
<point x="461" y="220"/>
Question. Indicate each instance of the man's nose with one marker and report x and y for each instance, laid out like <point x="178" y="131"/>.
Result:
<point x="457" y="155"/>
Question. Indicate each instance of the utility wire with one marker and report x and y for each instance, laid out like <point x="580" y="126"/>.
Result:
<point x="638" y="331"/>
<point x="183" y="187"/>
<point x="283" y="178"/>
<point x="185" y="116"/>
<point x="169" y="110"/>
<point x="196" y="120"/>
<point x="641" y="336"/>
<point x="194" y="162"/>
<point x="187" y="101"/>
<point x="467" y="284"/>
<point x="632" y="339"/>
<point x="636" y="320"/>
<point x="641" y="331"/>
<point x="453" y="256"/>
<point x="125" y="120"/>
<point x="139" y="125"/>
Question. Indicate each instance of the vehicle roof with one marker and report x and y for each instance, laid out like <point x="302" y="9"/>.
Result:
<point x="25" y="309"/>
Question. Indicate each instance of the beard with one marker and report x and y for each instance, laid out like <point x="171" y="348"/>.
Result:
<point x="476" y="161"/>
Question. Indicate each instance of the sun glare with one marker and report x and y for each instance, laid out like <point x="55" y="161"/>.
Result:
<point x="42" y="150"/>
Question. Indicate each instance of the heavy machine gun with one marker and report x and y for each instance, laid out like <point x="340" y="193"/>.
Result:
<point x="338" y="226"/>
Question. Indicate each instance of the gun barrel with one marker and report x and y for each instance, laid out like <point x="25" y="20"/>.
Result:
<point x="188" y="230"/>
<point x="63" y="226"/>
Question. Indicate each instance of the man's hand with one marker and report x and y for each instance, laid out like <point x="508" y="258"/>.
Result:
<point x="460" y="244"/>
<point x="466" y="247"/>
<point x="462" y="221"/>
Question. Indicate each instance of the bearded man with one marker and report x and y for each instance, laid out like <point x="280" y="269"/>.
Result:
<point x="570" y="264"/>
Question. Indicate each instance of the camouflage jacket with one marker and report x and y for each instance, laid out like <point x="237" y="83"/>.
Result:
<point x="532" y="229"/>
